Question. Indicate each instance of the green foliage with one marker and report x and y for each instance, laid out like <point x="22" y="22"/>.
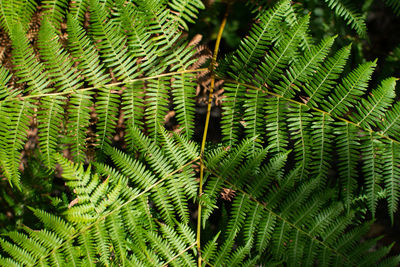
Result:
<point x="306" y="153"/>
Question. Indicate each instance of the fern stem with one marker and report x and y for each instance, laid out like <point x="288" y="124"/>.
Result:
<point x="203" y="143"/>
<point x="103" y="86"/>
<point x="382" y="135"/>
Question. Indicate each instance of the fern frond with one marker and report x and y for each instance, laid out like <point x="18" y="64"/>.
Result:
<point x="18" y="254"/>
<point x="54" y="10"/>
<point x="27" y="66"/>
<point x="14" y="134"/>
<point x="178" y="243"/>
<point x="348" y="151"/>
<point x="265" y="229"/>
<point x="376" y="106"/>
<point x="133" y="109"/>
<point x="284" y="51"/>
<point x="343" y="9"/>
<point x="49" y="124"/>
<point x="371" y="169"/>
<point x="304" y="68"/>
<point x="140" y="44"/>
<point x="156" y="106"/>
<point x="391" y="174"/>
<point x="266" y="175"/>
<point x="292" y="18"/>
<point x="352" y="86"/>
<point x="275" y="127"/>
<point x="5" y="90"/>
<point x="14" y="12"/>
<point x="186" y="10"/>
<point x="395" y="5"/>
<point x="391" y="123"/>
<point x="57" y="62"/>
<point x="244" y="62"/>
<point x="299" y="122"/>
<point x="78" y="121"/>
<point x="112" y="44"/>
<point x="227" y="167"/>
<point x="325" y="78"/>
<point x="183" y="90"/>
<point x="83" y="51"/>
<point x="322" y="136"/>
<point x="209" y="249"/>
<point x="107" y="104"/>
<point x="162" y="25"/>
<point x="253" y="114"/>
<point x="77" y="9"/>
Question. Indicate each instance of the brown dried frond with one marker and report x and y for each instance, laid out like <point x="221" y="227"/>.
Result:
<point x="228" y="194"/>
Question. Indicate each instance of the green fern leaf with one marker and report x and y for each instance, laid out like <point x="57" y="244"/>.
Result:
<point x="140" y="43"/>
<point x="5" y="91"/>
<point x="112" y="44"/>
<point x="276" y="128"/>
<point x="391" y="122"/>
<point x="292" y="17"/>
<point x="348" y="151"/>
<point x="54" y="10"/>
<point x="187" y="10"/>
<point x="299" y="122"/>
<point x="133" y="109"/>
<point x="17" y="253"/>
<point x="304" y="68"/>
<point x="107" y="104"/>
<point x="372" y="170"/>
<point x="57" y="62"/>
<point x="156" y="106"/>
<point x="13" y="12"/>
<point x="395" y="5"/>
<point x="324" y="79"/>
<point x="375" y="107"/>
<point x="352" y="86"/>
<point x="14" y="134"/>
<point x="184" y="99"/>
<point x="391" y="174"/>
<point x="27" y="66"/>
<point x="248" y="55"/>
<point x="77" y="9"/>
<point x="284" y="51"/>
<point x="49" y="122"/>
<point x="78" y="122"/>
<point x="209" y="249"/>
<point x="83" y="51"/>
<point x="343" y="9"/>
<point x="322" y="136"/>
<point x="264" y="234"/>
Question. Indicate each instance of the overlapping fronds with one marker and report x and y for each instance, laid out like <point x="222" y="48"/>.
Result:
<point x="54" y="11"/>
<point x="16" y="12"/>
<point x="107" y="220"/>
<point x="302" y="100"/>
<point x="251" y="50"/>
<point x="28" y="68"/>
<point x="307" y="148"/>
<point x="303" y="228"/>
<point x="75" y="81"/>
<point x="187" y="10"/>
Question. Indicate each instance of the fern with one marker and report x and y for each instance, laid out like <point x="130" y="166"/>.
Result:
<point x="343" y="9"/>
<point x="307" y="149"/>
<point x="395" y="5"/>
